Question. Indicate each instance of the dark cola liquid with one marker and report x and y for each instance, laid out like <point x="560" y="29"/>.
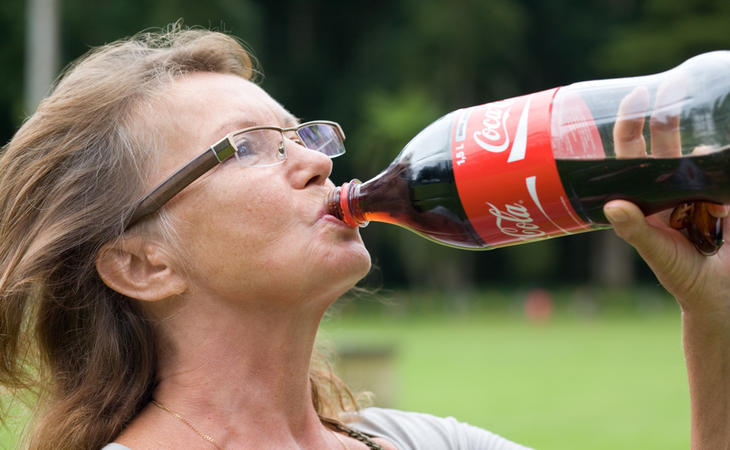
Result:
<point x="423" y="199"/>
<point x="653" y="184"/>
<point x="420" y="194"/>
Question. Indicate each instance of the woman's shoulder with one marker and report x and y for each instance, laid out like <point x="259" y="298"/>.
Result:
<point x="413" y="430"/>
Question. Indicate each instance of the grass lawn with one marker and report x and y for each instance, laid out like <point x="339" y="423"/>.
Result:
<point x="605" y="382"/>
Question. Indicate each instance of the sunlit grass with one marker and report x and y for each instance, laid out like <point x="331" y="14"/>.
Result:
<point x="606" y="380"/>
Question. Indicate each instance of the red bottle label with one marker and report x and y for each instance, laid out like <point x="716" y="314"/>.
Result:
<point x="506" y="174"/>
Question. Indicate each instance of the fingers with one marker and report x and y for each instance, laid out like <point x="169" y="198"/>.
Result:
<point x="701" y="222"/>
<point x="664" y="129"/>
<point x="665" y="140"/>
<point x="701" y="227"/>
<point x="664" y="123"/>
<point x="628" y="132"/>
<point x="703" y="149"/>
<point x="719" y="211"/>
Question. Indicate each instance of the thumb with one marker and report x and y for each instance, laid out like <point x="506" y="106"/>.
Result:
<point x="630" y="224"/>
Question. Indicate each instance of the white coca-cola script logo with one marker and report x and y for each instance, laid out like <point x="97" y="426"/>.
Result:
<point x="515" y="221"/>
<point x="494" y="137"/>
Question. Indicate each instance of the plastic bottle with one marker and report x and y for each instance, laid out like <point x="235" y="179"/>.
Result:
<point x="544" y="164"/>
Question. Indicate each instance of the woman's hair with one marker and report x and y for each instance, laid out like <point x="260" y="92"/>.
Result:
<point x="68" y="181"/>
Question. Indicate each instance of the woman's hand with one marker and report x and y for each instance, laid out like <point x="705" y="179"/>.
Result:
<point x="698" y="282"/>
<point x="701" y="284"/>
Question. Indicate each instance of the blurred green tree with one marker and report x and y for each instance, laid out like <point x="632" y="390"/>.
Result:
<point x="387" y="68"/>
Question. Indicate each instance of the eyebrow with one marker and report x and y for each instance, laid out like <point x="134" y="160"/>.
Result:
<point x="233" y="125"/>
<point x="288" y="121"/>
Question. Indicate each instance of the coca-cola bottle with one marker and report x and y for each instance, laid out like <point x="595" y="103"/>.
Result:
<point x="543" y="165"/>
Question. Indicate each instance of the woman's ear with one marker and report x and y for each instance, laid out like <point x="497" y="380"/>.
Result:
<point x="138" y="268"/>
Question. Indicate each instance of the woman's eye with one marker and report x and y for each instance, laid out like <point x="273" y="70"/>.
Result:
<point x="243" y="149"/>
<point x="295" y="139"/>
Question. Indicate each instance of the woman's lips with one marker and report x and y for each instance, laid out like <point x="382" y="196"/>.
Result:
<point x="325" y="215"/>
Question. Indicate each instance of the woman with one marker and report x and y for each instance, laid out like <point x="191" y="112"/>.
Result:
<point x="192" y="325"/>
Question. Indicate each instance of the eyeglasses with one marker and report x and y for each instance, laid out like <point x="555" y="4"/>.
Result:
<point x="258" y="146"/>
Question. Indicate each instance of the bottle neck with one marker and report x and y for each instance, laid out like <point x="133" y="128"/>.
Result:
<point x="344" y="203"/>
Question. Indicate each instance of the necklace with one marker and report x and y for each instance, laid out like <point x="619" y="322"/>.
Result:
<point x="335" y="425"/>
<point x="187" y="422"/>
<point x="362" y="437"/>
<point x="339" y="439"/>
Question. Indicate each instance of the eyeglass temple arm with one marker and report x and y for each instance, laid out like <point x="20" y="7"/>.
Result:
<point x="180" y="179"/>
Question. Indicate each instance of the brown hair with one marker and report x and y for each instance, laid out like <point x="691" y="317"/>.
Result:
<point x="68" y="180"/>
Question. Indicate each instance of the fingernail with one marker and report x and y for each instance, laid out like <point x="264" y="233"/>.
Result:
<point x="615" y="215"/>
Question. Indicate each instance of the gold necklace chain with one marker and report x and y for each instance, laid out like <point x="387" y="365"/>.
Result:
<point x="208" y="438"/>
<point x="187" y="422"/>
<point x="339" y="439"/>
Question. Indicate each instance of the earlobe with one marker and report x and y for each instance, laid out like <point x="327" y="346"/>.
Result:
<point x="139" y="269"/>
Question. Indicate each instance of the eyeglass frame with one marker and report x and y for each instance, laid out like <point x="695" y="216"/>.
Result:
<point x="216" y="154"/>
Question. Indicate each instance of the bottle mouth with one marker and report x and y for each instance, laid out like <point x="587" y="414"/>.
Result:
<point x="332" y="203"/>
<point x="338" y="204"/>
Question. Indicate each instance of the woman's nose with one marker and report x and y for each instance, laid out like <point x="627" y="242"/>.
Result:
<point x="307" y="167"/>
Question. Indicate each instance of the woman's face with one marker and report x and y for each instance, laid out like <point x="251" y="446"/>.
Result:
<point x="256" y="233"/>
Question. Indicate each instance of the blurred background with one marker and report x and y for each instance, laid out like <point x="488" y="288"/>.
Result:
<point x="566" y="343"/>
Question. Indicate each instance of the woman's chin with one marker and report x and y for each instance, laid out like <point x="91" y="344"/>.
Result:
<point x="349" y="269"/>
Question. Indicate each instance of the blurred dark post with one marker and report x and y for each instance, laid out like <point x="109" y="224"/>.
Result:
<point x="370" y="367"/>
<point x="612" y="262"/>
<point x="41" y="50"/>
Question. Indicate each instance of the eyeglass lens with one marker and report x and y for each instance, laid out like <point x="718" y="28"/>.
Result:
<point x="322" y="138"/>
<point x="259" y="147"/>
<point x="256" y="147"/>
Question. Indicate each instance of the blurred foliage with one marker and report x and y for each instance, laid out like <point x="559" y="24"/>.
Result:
<point x="12" y="29"/>
<point x="386" y="68"/>
<point x="387" y="120"/>
<point x="668" y="33"/>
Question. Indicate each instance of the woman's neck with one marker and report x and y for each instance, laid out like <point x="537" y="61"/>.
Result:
<point x="241" y="371"/>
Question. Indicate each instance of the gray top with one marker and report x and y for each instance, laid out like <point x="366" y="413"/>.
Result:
<point x="417" y="431"/>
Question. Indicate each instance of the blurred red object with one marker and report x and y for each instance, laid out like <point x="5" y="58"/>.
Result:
<point x="538" y="305"/>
